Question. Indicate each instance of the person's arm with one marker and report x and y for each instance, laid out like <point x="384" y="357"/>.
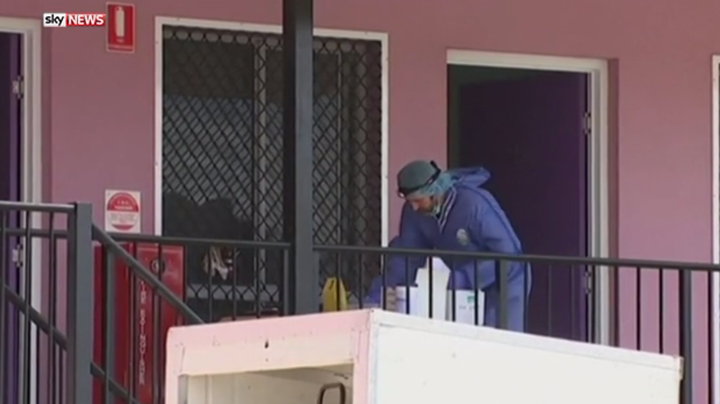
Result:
<point x="397" y="266"/>
<point x="486" y="224"/>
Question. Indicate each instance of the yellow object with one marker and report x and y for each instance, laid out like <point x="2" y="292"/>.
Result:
<point x="333" y="289"/>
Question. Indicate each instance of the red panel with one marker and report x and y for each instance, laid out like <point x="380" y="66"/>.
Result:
<point x="140" y="368"/>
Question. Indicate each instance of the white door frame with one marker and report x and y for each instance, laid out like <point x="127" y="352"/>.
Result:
<point x="715" y="383"/>
<point x="31" y="155"/>
<point x="598" y="229"/>
<point x="274" y="29"/>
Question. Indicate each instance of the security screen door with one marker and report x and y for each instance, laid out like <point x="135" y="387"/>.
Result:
<point x="222" y="146"/>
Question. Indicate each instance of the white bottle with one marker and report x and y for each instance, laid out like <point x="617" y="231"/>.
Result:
<point x="119" y="22"/>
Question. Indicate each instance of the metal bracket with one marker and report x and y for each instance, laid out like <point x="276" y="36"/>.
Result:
<point x="587" y="124"/>
<point x="17" y="256"/>
<point x="589" y="282"/>
<point x="18" y="87"/>
<point x="339" y="386"/>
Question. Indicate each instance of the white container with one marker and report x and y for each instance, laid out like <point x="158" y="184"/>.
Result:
<point x="442" y="298"/>
<point x="442" y="308"/>
<point x="465" y="307"/>
<point x="420" y="294"/>
<point x="384" y="358"/>
<point x="420" y="303"/>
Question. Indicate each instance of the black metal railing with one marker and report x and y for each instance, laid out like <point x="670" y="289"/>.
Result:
<point x="218" y="279"/>
<point x="45" y="302"/>
<point x="49" y="292"/>
<point x="147" y="284"/>
<point x="641" y="305"/>
<point x="94" y="330"/>
<point x="127" y="351"/>
<point x="655" y="306"/>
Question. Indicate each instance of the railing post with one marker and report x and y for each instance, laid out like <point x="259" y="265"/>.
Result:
<point x="501" y="276"/>
<point x="298" y="104"/>
<point x="686" y="334"/>
<point x="79" y="305"/>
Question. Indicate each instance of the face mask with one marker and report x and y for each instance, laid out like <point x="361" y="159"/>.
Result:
<point x="435" y="209"/>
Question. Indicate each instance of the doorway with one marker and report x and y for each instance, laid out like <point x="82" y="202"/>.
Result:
<point x="10" y="115"/>
<point x="20" y="180"/>
<point x="10" y="188"/>
<point x="532" y="128"/>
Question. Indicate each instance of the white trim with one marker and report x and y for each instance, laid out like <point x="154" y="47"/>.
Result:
<point x="265" y="28"/>
<point x="385" y="139"/>
<point x="598" y="159"/>
<point x="715" y="383"/>
<point x="157" y="184"/>
<point x="31" y="164"/>
<point x="275" y="29"/>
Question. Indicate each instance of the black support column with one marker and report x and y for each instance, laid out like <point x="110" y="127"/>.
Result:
<point x="303" y="286"/>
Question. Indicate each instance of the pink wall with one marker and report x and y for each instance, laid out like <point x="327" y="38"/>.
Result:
<point x="103" y="103"/>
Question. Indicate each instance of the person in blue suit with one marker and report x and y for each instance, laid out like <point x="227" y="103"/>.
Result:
<point x="450" y="211"/>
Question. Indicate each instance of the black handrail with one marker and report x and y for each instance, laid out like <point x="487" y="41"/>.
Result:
<point x="214" y="242"/>
<point x="37" y="207"/>
<point x="490" y="256"/>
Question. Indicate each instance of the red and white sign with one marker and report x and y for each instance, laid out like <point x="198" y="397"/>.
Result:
<point x="120" y="27"/>
<point x="122" y="211"/>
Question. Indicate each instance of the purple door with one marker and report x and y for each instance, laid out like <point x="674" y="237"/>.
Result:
<point x="529" y="133"/>
<point x="10" y="135"/>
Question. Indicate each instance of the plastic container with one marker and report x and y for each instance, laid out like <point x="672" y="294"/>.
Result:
<point x="465" y="307"/>
<point x="420" y="302"/>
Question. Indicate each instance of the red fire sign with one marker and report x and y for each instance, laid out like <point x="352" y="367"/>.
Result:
<point x="122" y="212"/>
<point x="120" y="27"/>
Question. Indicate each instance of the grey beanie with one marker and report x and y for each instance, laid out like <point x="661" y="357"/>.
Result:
<point x="416" y="175"/>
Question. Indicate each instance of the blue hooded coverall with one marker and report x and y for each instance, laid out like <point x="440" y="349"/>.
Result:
<point x="470" y="220"/>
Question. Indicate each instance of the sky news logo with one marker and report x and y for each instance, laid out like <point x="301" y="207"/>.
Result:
<point x="58" y="20"/>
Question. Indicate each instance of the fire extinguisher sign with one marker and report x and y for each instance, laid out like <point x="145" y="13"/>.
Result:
<point x="120" y="27"/>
